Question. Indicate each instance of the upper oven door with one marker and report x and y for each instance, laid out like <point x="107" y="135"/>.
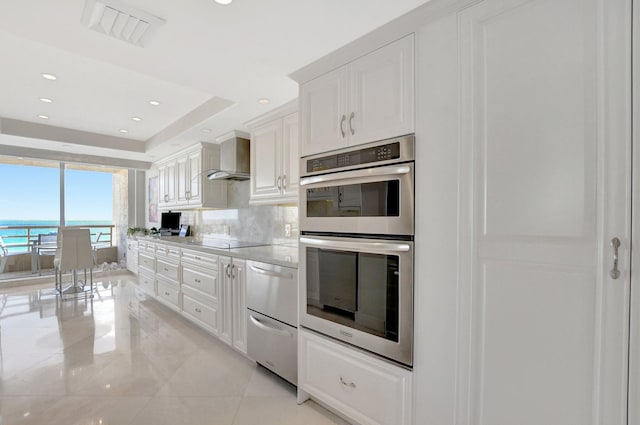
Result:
<point x="376" y="200"/>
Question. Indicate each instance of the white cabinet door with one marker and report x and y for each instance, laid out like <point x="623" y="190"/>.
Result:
<point x="238" y="274"/>
<point x="290" y="157"/>
<point x="194" y="160"/>
<point x="233" y="322"/>
<point x="170" y="183"/>
<point x="525" y="165"/>
<point x="162" y="185"/>
<point x="182" y="185"/>
<point x="382" y="93"/>
<point x="266" y="161"/>
<point x="323" y="112"/>
<point x="225" y="304"/>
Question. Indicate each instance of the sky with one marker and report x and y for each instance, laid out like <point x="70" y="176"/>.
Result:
<point x="32" y="193"/>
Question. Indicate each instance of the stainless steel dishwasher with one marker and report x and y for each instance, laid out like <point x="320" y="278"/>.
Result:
<point x="272" y="318"/>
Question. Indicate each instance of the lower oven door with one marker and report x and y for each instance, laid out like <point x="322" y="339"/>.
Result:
<point x="273" y="344"/>
<point x="359" y="291"/>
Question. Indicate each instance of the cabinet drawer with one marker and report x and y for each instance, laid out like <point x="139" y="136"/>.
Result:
<point x="169" y="252"/>
<point x="167" y="270"/>
<point x="273" y="344"/>
<point x="147" y="283"/>
<point x="201" y="279"/>
<point x="148" y="247"/>
<point x="364" y="388"/>
<point x="169" y="293"/>
<point x="200" y="259"/>
<point x="206" y="314"/>
<point x="147" y="262"/>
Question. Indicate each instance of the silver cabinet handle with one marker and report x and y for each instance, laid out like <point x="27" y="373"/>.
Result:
<point x="233" y="273"/>
<point x="284" y="182"/>
<point x="197" y="280"/>
<point x="226" y="270"/>
<point x="267" y="328"/>
<point x="342" y="120"/>
<point x="270" y="272"/>
<point x="351" y="117"/>
<point x="278" y="185"/>
<point x="198" y="310"/>
<point x="166" y="293"/>
<point x="615" y="244"/>
<point x="166" y="198"/>
<point x="347" y="384"/>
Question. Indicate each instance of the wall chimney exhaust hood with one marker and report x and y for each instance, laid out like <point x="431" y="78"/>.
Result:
<point x="234" y="160"/>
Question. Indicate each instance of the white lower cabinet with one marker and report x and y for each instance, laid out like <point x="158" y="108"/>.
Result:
<point x="168" y="293"/>
<point x="147" y="282"/>
<point x="132" y="256"/>
<point x="359" y="386"/>
<point x="233" y="325"/>
<point x="201" y="289"/>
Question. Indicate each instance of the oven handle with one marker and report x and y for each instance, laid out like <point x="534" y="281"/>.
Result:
<point x="380" y="171"/>
<point x="381" y="246"/>
<point x="271" y="273"/>
<point x="264" y="327"/>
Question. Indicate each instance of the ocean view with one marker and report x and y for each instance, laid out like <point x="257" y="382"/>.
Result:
<point x="19" y="236"/>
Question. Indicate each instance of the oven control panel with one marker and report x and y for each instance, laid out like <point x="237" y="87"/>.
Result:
<point x="369" y="155"/>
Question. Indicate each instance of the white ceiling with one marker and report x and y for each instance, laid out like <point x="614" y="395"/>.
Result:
<point x="209" y="60"/>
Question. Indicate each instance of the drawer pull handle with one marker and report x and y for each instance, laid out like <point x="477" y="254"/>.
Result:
<point x="347" y="384"/>
<point x="198" y="310"/>
<point x="166" y="293"/>
<point x="166" y="269"/>
<point x="196" y="280"/>
<point x="197" y="258"/>
<point x="271" y="273"/>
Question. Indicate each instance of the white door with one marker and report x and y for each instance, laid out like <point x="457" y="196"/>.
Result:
<point x="182" y="172"/>
<point x="323" y="112"/>
<point x="224" y="301"/>
<point x="239" y="305"/>
<point x="266" y="160"/>
<point x="195" y="169"/>
<point x="382" y="93"/>
<point x="290" y="156"/>
<point x="524" y="137"/>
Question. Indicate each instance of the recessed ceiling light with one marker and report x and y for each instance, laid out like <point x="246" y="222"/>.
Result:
<point x="20" y="157"/>
<point x="263" y="101"/>
<point x="206" y="130"/>
<point x="44" y="117"/>
<point x="154" y="102"/>
<point x="45" y="100"/>
<point x="224" y="2"/>
<point x="123" y="130"/>
<point x="136" y="119"/>
<point x="49" y="77"/>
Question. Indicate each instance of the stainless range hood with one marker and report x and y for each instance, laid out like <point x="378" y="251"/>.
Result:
<point x="234" y="160"/>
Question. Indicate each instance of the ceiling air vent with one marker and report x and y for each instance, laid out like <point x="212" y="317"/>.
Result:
<point x="120" y="20"/>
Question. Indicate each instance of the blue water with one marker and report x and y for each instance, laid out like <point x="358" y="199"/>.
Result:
<point x="19" y="236"/>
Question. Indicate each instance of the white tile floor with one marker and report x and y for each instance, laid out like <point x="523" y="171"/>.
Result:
<point x="126" y="360"/>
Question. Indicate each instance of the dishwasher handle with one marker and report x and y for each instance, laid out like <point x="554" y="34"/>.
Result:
<point x="267" y="328"/>
<point x="270" y="272"/>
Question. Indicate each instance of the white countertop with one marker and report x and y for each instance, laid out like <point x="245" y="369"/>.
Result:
<point x="283" y="255"/>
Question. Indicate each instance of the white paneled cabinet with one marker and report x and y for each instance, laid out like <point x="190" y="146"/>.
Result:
<point x="201" y="289"/>
<point x="233" y="323"/>
<point x="363" y="388"/>
<point x="132" y="256"/>
<point x="370" y="98"/>
<point x="182" y="182"/>
<point x="525" y="165"/>
<point x="274" y="156"/>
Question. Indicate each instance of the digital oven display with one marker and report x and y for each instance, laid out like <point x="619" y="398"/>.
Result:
<point x="358" y="157"/>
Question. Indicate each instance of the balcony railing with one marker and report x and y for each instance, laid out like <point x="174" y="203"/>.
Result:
<point x="20" y="238"/>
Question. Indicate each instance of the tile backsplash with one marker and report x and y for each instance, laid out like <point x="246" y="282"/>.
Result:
<point x="241" y="221"/>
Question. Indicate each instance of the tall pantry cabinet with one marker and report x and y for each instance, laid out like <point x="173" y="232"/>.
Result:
<point x="523" y="144"/>
<point x="523" y="178"/>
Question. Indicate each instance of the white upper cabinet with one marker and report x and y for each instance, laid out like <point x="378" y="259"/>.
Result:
<point x="274" y="156"/>
<point x="182" y="184"/>
<point x="370" y="98"/>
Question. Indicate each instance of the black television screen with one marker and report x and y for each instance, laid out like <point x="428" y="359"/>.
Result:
<point x="170" y="220"/>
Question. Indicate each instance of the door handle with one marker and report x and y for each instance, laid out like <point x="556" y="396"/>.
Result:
<point x="284" y="182"/>
<point x="270" y="272"/>
<point x="342" y="120"/>
<point x="278" y="183"/>
<point x="389" y="171"/>
<point x="351" y="117"/>
<point x="614" y="272"/>
<point x="267" y="328"/>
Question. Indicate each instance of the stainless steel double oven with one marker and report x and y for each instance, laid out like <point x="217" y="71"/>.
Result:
<point x="357" y="228"/>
